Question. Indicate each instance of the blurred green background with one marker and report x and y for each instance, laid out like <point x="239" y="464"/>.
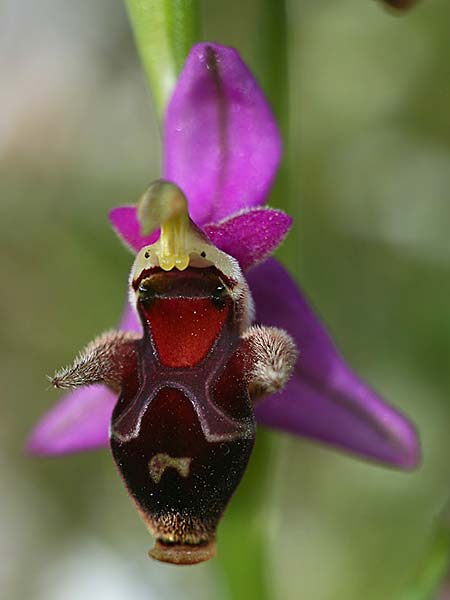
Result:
<point x="368" y="154"/>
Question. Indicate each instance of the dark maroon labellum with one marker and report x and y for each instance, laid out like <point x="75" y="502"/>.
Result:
<point x="183" y="429"/>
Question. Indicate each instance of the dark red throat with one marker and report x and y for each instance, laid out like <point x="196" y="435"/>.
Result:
<point x="184" y="329"/>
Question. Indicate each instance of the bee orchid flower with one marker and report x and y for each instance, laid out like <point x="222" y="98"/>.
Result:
<point x="209" y="341"/>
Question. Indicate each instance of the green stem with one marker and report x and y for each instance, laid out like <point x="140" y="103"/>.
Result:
<point x="434" y="569"/>
<point x="273" y="58"/>
<point x="245" y="537"/>
<point x="244" y="533"/>
<point x="273" y="55"/>
<point x="164" y="31"/>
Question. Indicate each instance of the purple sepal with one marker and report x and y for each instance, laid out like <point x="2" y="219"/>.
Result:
<point x="221" y="142"/>
<point x="325" y="400"/>
<point x="78" y="422"/>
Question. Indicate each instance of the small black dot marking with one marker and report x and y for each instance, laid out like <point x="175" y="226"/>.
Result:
<point x="203" y="254"/>
<point x="218" y="296"/>
<point x="147" y="255"/>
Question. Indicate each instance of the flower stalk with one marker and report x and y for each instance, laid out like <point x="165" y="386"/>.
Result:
<point x="164" y="31"/>
<point x="246" y="529"/>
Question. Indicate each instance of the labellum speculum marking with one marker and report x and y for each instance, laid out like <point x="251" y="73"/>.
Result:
<point x="183" y="428"/>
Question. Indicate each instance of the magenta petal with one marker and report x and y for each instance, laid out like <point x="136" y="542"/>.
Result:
<point x="325" y="400"/>
<point x="125" y="224"/>
<point x="78" y="422"/>
<point x="222" y="145"/>
<point x="251" y="235"/>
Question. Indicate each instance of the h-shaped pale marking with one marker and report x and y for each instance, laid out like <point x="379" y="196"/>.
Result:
<point x="160" y="462"/>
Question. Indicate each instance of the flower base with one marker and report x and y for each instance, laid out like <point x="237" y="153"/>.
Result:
<point x="183" y="554"/>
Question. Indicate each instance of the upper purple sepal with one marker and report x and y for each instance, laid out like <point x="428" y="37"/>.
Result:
<point x="221" y="142"/>
<point x="325" y="400"/>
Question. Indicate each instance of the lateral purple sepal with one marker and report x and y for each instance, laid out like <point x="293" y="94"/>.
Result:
<point x="325" y="400"/>
<point x="78" y="422"/>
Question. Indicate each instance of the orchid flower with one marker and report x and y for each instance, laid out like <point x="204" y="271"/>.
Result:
<point x="222" y="149"/>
